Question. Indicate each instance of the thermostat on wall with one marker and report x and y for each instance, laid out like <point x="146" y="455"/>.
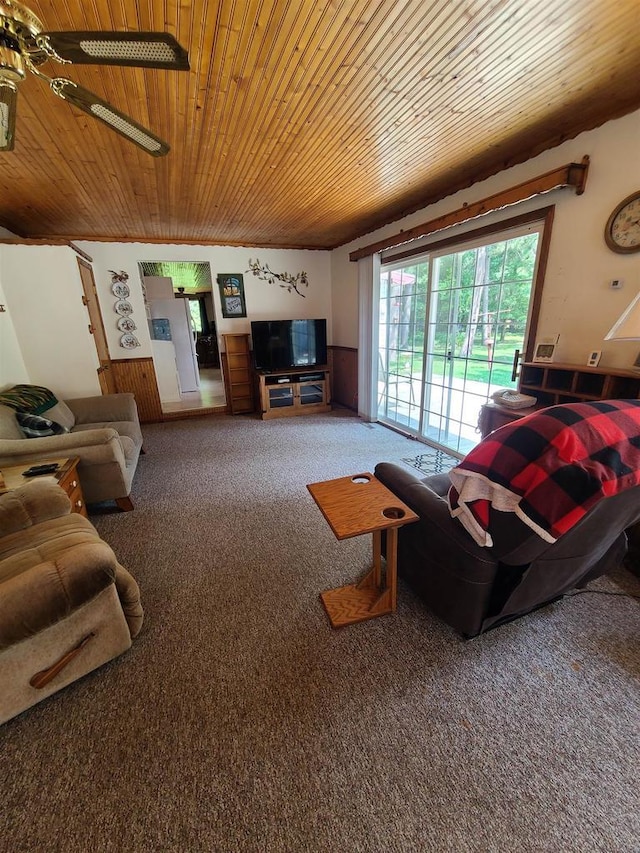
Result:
<point x="594" y="358"/>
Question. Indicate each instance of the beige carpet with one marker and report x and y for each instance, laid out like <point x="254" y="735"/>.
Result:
<point x="240" y="721"/>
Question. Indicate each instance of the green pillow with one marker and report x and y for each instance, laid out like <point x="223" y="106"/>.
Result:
<point x="28" y="398"/>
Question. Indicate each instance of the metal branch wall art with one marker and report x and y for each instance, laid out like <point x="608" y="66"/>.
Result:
<point x="283" y="279"/>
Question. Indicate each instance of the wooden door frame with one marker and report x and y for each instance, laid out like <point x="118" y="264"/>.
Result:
<point x="96" y="326"/>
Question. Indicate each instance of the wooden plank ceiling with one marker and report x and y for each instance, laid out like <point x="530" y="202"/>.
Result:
<point x="307" y="123"/>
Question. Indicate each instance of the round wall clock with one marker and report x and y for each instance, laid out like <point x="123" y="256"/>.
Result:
<point x="622" y="231"/>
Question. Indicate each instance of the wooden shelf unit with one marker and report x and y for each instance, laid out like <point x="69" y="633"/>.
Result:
<point x="552" y="384"/>
<point x="301" y="391"/>
<point x="238" y="373"/>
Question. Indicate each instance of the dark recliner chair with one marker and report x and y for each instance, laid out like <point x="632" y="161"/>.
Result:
<point x="475" y="588"/>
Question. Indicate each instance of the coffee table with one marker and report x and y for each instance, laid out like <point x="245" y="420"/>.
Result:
<point x="353" y="506"/>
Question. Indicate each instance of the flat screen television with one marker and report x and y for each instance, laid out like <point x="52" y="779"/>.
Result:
<point x="284" y="344"/>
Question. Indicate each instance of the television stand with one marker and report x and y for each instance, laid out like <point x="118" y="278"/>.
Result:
<point x="299" y="391"/>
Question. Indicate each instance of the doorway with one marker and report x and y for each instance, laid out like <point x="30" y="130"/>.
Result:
<point x="185" y="344"/>
<point x="451" y="325"/>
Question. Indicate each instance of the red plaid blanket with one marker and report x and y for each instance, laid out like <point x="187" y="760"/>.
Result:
<point x="549" y="468"/>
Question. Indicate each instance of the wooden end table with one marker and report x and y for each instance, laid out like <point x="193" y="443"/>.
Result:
<point x="353" y="506"/>
<point x="66" y="475"/>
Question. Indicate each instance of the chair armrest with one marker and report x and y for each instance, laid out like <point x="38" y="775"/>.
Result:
<point x="437" y="530"/>
<point x="32" y="503"/>
<point x="129" y="595"/>
<point x="48" y="592"/>
<point x="514" y="542"/>
<point x="416" y="491"/>
<point x="110" y="407"/>
<point x="13" y="451"/>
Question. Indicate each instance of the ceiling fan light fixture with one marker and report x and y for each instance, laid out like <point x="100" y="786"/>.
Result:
<point x="12" y="66"/>
<point x="25" y="46"/>
<point x="19" y="19"/>
<point x="8" y="99"/>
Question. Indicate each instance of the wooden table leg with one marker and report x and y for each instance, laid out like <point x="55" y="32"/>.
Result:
<point x="369" y="597"/>
<point x="392" y="566"/>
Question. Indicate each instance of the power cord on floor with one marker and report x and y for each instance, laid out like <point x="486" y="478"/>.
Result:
<point x="600" y="592"/>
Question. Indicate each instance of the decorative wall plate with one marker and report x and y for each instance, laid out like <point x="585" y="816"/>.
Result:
<point x="622" y="231"/>
<point x="129" y="341"/>
<point x="126" y="324"/>
<point x="123" y="308"/>
<point x="120" y="290"/>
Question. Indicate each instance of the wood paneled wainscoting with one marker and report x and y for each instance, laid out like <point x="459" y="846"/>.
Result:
<point x="343" y="362"/>
<point x="138" y="376"/>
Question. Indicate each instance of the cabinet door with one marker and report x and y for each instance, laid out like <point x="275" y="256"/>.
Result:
<point x="311" y="393"/>
<point x="280" y="396"/>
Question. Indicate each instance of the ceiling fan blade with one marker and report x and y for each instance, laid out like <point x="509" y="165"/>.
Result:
<point x="113" y="118"/>
<point x="8" y="105"/>
<point x="142" y="50"/>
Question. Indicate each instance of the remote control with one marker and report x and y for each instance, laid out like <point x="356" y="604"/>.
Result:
<point x="36" y="470"/>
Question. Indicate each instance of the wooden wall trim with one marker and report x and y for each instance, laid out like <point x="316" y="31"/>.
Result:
<point x="138" y="377"/>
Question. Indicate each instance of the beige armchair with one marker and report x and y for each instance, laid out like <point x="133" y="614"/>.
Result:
<point x="66" y="605"/>
<point x="104" y="432"/>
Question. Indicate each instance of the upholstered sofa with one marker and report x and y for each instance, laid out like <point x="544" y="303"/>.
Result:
<point x="104" y="432"/>
<point x="66" y="605"/>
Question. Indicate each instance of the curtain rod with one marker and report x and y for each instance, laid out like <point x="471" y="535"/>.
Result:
<point x="571" y="175"/>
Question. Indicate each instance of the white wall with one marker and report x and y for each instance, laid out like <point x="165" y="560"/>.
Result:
<point x="12" y="366"/>
<point x="578" y="303"/>
<point x="263" y="300"/>
<point x="43" y="295"/>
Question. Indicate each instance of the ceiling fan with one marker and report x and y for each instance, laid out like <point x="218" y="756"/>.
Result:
<point x="25" y="46"/>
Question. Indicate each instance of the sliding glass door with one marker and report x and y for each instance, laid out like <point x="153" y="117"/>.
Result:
<point x="449" y="327"/>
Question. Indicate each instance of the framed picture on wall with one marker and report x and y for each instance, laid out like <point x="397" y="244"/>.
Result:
<point x="232" y="295"/>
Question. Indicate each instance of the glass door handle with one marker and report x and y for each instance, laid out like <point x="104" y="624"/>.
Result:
<point x="514" y="369"/>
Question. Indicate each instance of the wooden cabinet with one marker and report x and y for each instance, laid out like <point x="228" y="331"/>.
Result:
<point x="68" y="479"/>
<point x="238" y="373"/>
<point x="66" y="475"/>
<point x="493" y="416"/>
<point x="296" y="392"/>
<point x="552" y="384"/>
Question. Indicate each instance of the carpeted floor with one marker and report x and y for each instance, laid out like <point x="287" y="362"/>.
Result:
<point x="240" y="721"/>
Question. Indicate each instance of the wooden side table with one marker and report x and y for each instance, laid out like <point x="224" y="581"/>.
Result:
<point x="66" y="475"/>
<point x="353" y="506"/>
